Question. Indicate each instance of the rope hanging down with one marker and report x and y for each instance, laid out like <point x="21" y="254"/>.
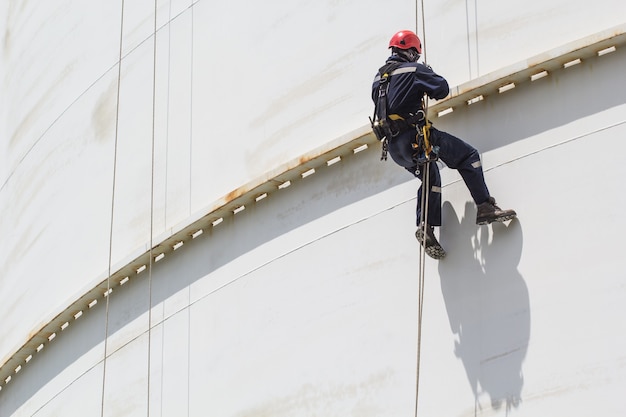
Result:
<point x="423" y="209"/>
<point x="114" y="182"/>
<point x="152" y="166"/>
<point x="113" y="186"/>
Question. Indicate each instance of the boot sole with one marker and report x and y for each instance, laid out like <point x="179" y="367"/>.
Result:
<point x="435" y="251"/>
<point x="496" y="219"/>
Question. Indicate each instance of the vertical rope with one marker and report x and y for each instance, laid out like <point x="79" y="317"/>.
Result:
<point x="114" y="180"/>
<point x="167" y="106"/>
<point x="422" y="268"/>
<point x="417" y="17"/>
<point x="165" y="194"/>
<point x="167" y="124"/>
<point x="476" y="37"/>
<point x="191" y="113"/>
<point x="467" y="24"/>
<point x="423" y="216"/>
<point x="154" y="64"/>
<point x="423" y="31"/>
<point x="190" y="190"/>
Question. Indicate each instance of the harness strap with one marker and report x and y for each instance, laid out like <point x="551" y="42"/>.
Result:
<point x="379" y="120"/>
<point x="387" y="126"/>
<point x="412" y="121"/>
<point x="395" y="71"/>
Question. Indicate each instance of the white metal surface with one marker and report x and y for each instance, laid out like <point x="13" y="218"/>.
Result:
<point x="302" y="303"/>
<point x="61" y="122"/>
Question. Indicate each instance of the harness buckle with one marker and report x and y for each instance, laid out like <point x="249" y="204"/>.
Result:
<point x="421" y="116"/>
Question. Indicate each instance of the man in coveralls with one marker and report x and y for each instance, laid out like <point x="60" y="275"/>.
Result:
<point x="407" y="83"/>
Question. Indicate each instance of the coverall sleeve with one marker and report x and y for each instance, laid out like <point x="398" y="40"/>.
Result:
<point x="431" y="83"/>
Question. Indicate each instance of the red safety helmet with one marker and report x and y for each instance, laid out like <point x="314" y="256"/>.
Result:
<point x="405" y="39"/>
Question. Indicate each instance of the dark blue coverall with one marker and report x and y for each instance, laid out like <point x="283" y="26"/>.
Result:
<point x="404" y="97"/>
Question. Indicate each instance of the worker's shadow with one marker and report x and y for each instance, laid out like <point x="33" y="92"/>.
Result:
<point x="488" y="305"/>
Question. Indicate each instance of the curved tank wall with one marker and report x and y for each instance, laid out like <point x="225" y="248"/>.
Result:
<point x="118" y="126"/>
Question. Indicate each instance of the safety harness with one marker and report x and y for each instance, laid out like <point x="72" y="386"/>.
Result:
<point x="387" y="126"/>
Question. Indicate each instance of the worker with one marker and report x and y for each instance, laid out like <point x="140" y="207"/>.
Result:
<point x="401" y="85"/>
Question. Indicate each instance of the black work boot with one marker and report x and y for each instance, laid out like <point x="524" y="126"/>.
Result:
<point x="488" y="212"/>
<point x="432" y="247"/>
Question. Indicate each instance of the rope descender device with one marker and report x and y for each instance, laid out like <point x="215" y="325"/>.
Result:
<point x="425" y="152"/>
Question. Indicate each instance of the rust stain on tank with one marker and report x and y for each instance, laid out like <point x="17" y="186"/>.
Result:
<point x="236" y="193"/>
<point x="304" y="159"/>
